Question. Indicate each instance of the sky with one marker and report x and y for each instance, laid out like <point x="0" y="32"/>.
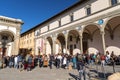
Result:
<point x="33" y="12"/>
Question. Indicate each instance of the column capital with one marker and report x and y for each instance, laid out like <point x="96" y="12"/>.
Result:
<point x="65" y="32"/>
<point x="102" y="32"/>
<point x="81" y="33"/>
<point x="79" y="28"/>
<point x="71" y="14"/>
<point x="80" y="37"/>
<point x="59" y="19"/>
<point x="54" y="37"/>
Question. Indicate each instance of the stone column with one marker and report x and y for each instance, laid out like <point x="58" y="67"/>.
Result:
<point x="13" y="51"/>
<point x="54" y="37"/>
<point x="16" y="42"/>
<point x="80" y="30"/>
<point x="16" y="45"/>
<point x="81" y="41"/>
<point x="66" y="39"/>
<point x="44" y="46"/>
<point x="103" y="40"/>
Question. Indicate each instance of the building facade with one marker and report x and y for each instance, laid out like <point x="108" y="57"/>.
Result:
<point x="9" y="35"/>
<point x="27" y="42"/>
<point x="88" y="26"/>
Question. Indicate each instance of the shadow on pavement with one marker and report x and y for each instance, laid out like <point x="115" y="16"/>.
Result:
<point x="74" y="77"/>
<point x="100" y="74"/>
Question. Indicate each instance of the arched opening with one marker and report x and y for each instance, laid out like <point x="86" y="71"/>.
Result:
<point x="73" y="42"/>
<point x="112" y="35"/>
<point x="91" y="40"/>
<point x="6" y="43"/>
<point x="85" y="41"/>
<point x="61" y="43"/>
<point x="49" y="45"/>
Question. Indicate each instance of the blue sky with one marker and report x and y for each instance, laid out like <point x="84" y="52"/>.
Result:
<point x="33" y="12"/>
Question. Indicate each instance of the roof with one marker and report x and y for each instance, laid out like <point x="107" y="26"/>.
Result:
<point x="69" y="8"/>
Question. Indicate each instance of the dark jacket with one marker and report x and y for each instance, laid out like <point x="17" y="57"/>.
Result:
<point x="80" y="65"/>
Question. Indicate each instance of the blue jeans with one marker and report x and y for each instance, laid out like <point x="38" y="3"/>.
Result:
<point x="74" y="65"/>
<point x="82" y="73"/>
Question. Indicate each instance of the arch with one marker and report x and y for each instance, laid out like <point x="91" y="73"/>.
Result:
<point x="112" y="29"/>
<point x="91" y="37"/>
<point x="95" y="24"/>
<point x="108" y="19"/>
<point x="61" y="38"/>
<point x="73" y="41"/>
<point x="61" y="43"/>
<point x="8" y="31"/>
<point x="74" y="32"/>
<point x="49" y="45"/>
<point x="50" y="40"/>
<point x="116" y="28"/>
<point x="111" y="25"/>
<point x="91" y="31"/>
<point x="6" y="42"/>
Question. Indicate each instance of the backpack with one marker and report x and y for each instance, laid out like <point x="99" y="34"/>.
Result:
<point x="80" y="57"/>
<point x="19" y="58"/>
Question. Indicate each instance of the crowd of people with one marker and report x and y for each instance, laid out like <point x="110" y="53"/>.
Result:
<point x="65" y="61"/>
<point x="29" y="61"/>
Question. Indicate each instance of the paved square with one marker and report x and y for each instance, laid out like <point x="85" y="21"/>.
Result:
<point x="36" y="74"/>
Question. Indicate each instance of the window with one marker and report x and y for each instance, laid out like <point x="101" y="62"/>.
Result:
<point x="27" y="41"/>
<point x="71" y="46"/>
<point x="4" y="37"/>
<point x="59" y="22"/>
<point x="71" y="17"/>
<point x="88" y="11"/>
<point x="70" y="38"/>
<point x="113" y="2"/>
<point x="74" y="46"/>
<point x="30" y="34"/>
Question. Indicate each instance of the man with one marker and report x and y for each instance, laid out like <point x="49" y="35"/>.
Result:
<point x="81" y="67"/>
<point x="20" y="62"/>
<point x="16" y="62"/>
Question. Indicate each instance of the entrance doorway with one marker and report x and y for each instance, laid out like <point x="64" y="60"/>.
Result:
<point x="85" y="46"/>
<point x="85" y="41"/>
<point x="71" y="49"/>
<point x="4" y="51"/>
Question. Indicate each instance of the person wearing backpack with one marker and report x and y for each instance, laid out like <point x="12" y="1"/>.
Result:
<point x="29" y="63"/>
<point x="20" y="65"/>
<point x="81" y="68"/>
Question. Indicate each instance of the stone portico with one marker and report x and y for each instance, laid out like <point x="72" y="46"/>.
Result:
<point x="9" y="35"/>
<point x="82" y="27"/>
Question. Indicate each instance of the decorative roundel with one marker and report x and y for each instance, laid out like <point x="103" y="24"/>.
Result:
<point x="100" y="21"/>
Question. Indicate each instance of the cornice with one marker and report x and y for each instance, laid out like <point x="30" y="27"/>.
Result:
<point x="10" y="20"/>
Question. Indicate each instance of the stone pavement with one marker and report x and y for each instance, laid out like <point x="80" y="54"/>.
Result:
<point x="100" y="73"/>
<point x="53" y="74"/>
<point x="36" y="74"/>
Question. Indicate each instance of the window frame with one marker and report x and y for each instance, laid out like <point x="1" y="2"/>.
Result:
<point x="88" y="11"/>
<point x="113" y="3"/>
